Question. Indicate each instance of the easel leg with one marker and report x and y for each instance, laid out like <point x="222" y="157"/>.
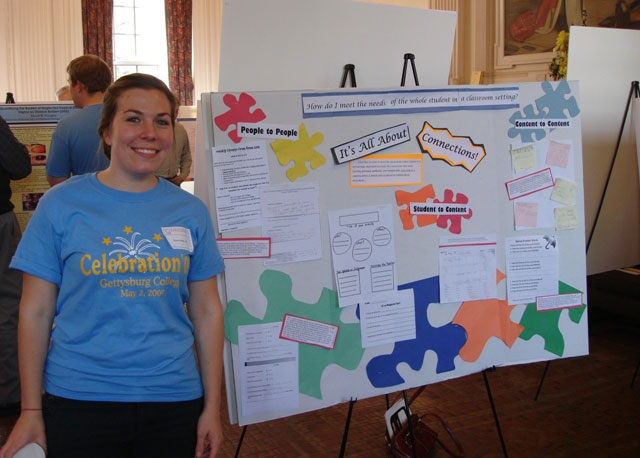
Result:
<point x="544" y="374"/>
<point x="413" y="442"/>
<point x="343" y="446"/>
<point x="244" y="430"/>
<point x="493" y="408"/>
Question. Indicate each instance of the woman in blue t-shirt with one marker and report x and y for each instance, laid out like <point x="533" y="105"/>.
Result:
<point x="110" y="259"/>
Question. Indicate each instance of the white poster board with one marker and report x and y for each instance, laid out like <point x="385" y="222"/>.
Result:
<point x="274" y="45"/>
<point x="304" y="44"/>
<point x="605" y="61"/>
<point x="480" y="205"/>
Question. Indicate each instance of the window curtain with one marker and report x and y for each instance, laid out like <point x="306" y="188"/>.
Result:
<point x="97" y="27"/>
<point x="178" y="16"/>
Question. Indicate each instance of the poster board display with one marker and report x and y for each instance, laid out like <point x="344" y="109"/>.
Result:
<point x="593" y="53"/>
<point x="33" y="125"/>
<point x="378" y="240"/>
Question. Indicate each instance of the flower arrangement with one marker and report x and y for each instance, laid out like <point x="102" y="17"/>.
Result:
<point x="558" y="65"/>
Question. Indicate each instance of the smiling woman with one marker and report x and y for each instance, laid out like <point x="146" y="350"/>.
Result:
<point x="111" y="258"/>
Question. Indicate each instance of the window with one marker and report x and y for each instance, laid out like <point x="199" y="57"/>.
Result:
<point x="140" y="38"/>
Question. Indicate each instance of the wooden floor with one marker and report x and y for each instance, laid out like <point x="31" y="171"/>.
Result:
<point x="586" y="408"/>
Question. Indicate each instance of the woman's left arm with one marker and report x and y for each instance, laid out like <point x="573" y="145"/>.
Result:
<point x="205" y="311"/>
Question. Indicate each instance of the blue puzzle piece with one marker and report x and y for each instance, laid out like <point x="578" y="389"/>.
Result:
<point x="554" y="102"/>
<point x="446" y="341"/>
<point x="526" y="134"/>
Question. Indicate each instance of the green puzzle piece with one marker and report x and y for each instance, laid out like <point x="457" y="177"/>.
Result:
<point x="276" y="287"/>
<point x="545" y="324"/>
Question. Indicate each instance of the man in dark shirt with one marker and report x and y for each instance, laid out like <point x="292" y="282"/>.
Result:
<point x="15" y="163"/>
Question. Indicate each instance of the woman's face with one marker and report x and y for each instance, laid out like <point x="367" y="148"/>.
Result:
<point x="140" y="134"/>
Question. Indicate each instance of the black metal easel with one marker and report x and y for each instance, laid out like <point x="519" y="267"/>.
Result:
<point x="409" y="57"/>
<point x="348" y="71"/>
<point x="634" y="92"/>
<point x="493" y="409"/>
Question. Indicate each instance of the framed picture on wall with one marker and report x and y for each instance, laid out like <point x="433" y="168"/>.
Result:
<point x="527" y="29"/>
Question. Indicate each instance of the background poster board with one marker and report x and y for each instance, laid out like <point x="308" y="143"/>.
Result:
<point x="593" y="55"/>
<point x="33" y="125"/>
<point x="469" y="153"/>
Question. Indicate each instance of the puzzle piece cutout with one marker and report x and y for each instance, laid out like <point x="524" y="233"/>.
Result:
<point x="554" y="104"/>
<point x="276" y="287"/>
<point x="405" y="198"/>
<point x="445" y="341"/>
<point x="484" y="319"/>
<point x="299" y="152"/>
<point x="545" y="324"/>
<point x="454" y="222"/>
<point x="526" y="135"/>
<point x="239" y="111"/>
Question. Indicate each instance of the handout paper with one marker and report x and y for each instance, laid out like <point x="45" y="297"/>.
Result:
<point x="268" y="369"/>
<point x="529" y="184"/>
<point x="238" y="171"/>
<point x="387" y="170"/>
<point x="560" y="161"/>
<point x="362" y="247"/>
<point x="559" y="301"/>
<point x="291" y="218"/>
<point x="564" y="191"/>
<point x="532" y="268"/>
<point x="311" y="332"/>
<point x="467" y="268"/>
<point x="388" y="318"/>
<point x="244" y="248"/>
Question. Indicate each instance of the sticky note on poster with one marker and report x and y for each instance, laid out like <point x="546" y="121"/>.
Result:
<point x="523" y="158"/>
<point x="566" y="218"/>
<point x="526" y="214"/>
<point x="456" y="151"/>
<point x="371" y="143"/>
<point x="564" y="191"/>
<point x="558" y="154"/>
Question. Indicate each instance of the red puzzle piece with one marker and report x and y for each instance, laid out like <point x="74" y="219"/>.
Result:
<point x="239" y="111"/>
<point x="453" y="221"/>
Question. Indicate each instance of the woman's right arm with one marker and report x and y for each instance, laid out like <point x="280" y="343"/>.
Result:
<point x="37" y="308"/>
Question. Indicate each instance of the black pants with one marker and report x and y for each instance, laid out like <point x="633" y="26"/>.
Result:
<point x="81" y="429"/>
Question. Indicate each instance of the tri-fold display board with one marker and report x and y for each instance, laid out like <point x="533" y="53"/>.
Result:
<point x="378" y="240"/>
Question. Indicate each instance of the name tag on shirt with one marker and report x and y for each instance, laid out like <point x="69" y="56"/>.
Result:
<point x="179" y="238"/>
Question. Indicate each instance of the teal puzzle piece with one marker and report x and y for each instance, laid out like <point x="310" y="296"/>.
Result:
<point x="276" y="287"/>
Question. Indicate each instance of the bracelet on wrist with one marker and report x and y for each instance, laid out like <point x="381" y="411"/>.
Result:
<point x="30" y="409"/>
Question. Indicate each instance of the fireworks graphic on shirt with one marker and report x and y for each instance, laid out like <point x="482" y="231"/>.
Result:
<point x="131" y="248"/>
